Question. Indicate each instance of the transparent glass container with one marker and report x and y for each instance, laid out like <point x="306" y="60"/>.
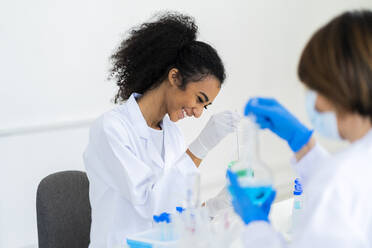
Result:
<point x="253" y="174"/>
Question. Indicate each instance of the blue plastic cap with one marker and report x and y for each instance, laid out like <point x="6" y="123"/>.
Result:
<point x="180" y="209"/>
<point x="298" y="181"/>
<point x="297" y="187"/>
<point x="156" y="218"/>
<point x="165" y="217"/>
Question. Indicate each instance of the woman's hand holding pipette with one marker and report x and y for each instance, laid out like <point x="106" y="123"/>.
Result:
<point x="217" y="128"/>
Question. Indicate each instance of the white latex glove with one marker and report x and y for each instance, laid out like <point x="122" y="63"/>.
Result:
<point x="221" y="201"/>
<point x="218" y="126"/>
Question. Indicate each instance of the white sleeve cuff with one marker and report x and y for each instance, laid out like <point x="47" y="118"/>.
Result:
<point x="198" y="149"/>
<point x="310" y="163"/>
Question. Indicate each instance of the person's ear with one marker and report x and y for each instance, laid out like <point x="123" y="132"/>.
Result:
<point x="173" y="77"/>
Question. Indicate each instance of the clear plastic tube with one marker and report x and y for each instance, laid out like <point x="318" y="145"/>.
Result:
<point x="193" y="192"/>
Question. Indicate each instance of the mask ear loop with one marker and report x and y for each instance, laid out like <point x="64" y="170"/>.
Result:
<point x="311" y="97"/>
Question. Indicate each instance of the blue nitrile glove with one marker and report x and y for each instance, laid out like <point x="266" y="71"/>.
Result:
<point x="272" y="115"/>
<point x="243" y="205"/>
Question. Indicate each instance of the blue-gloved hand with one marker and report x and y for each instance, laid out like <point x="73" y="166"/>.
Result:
<point x="272" y="115"/>
<point x="249" y="208"/>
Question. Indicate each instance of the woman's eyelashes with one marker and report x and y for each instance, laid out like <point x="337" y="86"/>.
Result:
<point x="200" y="100"/>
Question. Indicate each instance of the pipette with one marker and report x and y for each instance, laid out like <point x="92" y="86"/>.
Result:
<point x="237" y="138"/>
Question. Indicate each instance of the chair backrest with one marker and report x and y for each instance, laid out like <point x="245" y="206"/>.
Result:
<point x="63" y="210"/>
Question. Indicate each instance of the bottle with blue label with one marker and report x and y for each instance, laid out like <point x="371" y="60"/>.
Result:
<point x="297" y="204"/>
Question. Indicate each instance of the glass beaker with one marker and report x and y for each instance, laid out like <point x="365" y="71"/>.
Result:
<point x="253" y="174"/>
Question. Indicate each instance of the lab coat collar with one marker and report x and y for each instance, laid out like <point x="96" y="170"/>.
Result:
<point x="136" y="117"/>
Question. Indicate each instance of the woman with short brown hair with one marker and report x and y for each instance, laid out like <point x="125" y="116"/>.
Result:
<point x="336" y="67"/>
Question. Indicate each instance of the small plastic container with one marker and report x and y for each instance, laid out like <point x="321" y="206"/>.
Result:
<point x="162" y="236"/>
<point x="297" y="205"/>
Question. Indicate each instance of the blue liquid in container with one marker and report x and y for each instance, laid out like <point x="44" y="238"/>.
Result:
<point x="258" y="194"/>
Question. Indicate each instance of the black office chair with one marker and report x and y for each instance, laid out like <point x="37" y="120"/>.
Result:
<point x="63" y="210"/>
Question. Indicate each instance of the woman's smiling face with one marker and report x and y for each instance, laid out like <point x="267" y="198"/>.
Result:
<point x="193" y="99"/>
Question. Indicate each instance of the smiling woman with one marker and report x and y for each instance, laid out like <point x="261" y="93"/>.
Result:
<point x="170" y="58"/>
<point x="176" y="100"/>
<point x="136" y="159"/>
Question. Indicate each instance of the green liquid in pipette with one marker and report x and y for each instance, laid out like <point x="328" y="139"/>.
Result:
<point x="242" y="172"/>
<point x="231" y="164"/>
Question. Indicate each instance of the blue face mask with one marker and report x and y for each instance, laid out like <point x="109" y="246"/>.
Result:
<point x="325" y="123"/>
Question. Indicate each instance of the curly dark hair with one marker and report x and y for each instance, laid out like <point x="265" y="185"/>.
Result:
<point x="143" y="60"/>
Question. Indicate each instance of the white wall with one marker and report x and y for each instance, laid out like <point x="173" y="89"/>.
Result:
<point x="54" y="64"/>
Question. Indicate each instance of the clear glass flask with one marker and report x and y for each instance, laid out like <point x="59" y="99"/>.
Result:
<point x="253" y="175"/>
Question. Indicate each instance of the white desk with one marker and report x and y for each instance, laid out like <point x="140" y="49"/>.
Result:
<point x="280" y="216"/>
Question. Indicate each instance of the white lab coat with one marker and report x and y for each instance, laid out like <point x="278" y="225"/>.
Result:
<point x="338" y="201"/>
<point x="129" y="180"/>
